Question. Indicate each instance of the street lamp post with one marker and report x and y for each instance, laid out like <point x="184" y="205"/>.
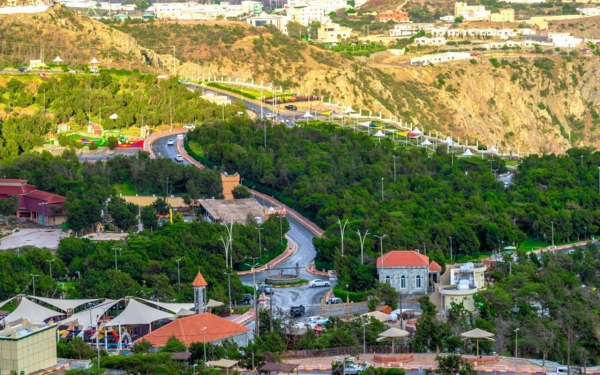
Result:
<point x="259" y="229"/>
<point x="229" y="286"/>
<point x="395" y="157"/>
<point x="50" y="263"/>
<point x="598" y="180"/>
<point x="362" y="245"/>
<point x="585" y="233"/>
<point x="33" y="277"/>
<point x="516" y="349"/>
<point x="381" y="247"/>
<point x="342" y="229"/>
<point x="178" y="275"/>
<point x="364" y="340"/>
<point x="116" y="249"/>
<point x="280" y="229"/>
<point x="382" y="189"/>
<point x="450" y="248"/>
<point x="252" y="266"/>
<point x="167" y="187"/>
<point x="204" y="340"/>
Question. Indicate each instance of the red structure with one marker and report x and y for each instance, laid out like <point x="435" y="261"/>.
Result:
<point x="396" y="16"/>
<point x="37" y="205"/>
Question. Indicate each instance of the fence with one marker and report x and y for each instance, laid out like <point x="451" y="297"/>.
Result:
<point x="350" y="350"/>
<point x="341" y="309"/>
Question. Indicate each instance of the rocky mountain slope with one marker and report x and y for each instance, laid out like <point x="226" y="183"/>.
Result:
<point x="530" y="103"/>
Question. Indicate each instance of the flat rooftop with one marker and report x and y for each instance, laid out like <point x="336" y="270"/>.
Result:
<point x="236" y="210"/>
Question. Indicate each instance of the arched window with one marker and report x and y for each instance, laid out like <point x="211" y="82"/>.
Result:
<point x="418" y="281"/>
<point x="403" y="282"/>
<point x="387" y="279"/>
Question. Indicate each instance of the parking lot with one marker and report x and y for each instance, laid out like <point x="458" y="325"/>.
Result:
<point x="41" y="237"/>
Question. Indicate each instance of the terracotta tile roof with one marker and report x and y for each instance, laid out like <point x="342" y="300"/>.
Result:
<point x="45" y="196"/>
<point x="189" y="330"/>
<point x="199" y="280"/>
<point x="403" y="258"/>
<point x="11" y="190"/>
<point x="434" y="266"/>
<point x="12" y="181"/>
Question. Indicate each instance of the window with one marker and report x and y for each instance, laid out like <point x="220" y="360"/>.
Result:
<point x="387" y="279"/>
<point x="418" y="281"/>
<point x="403" y="282"/>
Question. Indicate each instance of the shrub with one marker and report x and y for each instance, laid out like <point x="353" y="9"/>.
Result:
<point x="543" y="63"/>
<point x="495" y="62"/>
<point x="473" y="61"/>
<point x="93" y="146"/>
<point x="112" y="143"/>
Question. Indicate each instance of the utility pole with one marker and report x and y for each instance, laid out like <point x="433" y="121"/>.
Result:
<point x="178" y="278"/>
<point x="50" y="263"/>
<point x="395" y="167"/>
<point x="259" y="229"/>
<point x="115" y="250"/>
<point x="552" y="234"/>
<point x="33" y="277"/>
<point x="382" y="189"/>
<point x="381" y="247"/>
<point x="229" y="286"/>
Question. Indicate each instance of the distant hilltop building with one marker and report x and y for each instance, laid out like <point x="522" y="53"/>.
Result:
<point x="395" y="16"/>
<point x="479" y="13"/>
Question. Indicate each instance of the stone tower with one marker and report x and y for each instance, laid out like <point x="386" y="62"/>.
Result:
<point x="199" y="285"/>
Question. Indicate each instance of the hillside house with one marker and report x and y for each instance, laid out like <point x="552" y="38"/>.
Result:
<point x="408" y="272"/>
<point x="395" y="16"/>
<point x="434" y="41"/>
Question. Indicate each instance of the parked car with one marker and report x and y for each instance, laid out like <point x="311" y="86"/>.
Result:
<point x="94" y="70"/>
<point x="190" y="126"/>
<point x="266" y="289"/>
<point x="170" y="142"/>
<point x="291" y="107"/>
<point x="23" y="70"/>
<point x="72" y="71"/>
<point x="350" y="368"/>
<point x="179" y="158"/>
<point x="247" y="299"/>
<point x="334" y="301"/>
<point x="317" y="320"/>
<point x="317" y="282"/>
<point x="296" y="311"/>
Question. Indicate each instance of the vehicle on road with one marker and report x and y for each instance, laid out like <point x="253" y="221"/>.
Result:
<point x="297" y="311"/>
<point x="317" y="320"/>
<point x="170" y="142"/>
<point x="94" y="70"/>
<point x="266" y="289"/>
<point x="317" y="282"/>
<point x="190" y="126"/>
<point x="179" y="158"/>
<point x="247" y="299"/>
<point x="23" y="70"/>
<point x="72" y="71"/>
<point x="334" y="301"/>
<point x="291" y="107"/>
<point x="350" y="368"/>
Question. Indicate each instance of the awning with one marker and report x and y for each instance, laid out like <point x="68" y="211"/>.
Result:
<point x="213" y="303"/>
<point x="467" y="154"/>
<point x="379" y="134"/>
<point x="307" y="115"/>
<point x="64" y="304"/>
<point x="90" y="317"/>
<point x="172" y="307"/>
<point x="278" y="367"/>
<point x="426" y="142"/>
<point x="222" y="363"/>
<point x="32" y="311"/>
<point x="138" y="313"/>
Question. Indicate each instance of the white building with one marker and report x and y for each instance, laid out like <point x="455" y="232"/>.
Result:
<point x="440" y="58"/>
<point x="98" y="5"/>
<point x="589" y="11"/>
<point x="306" y="14"/>
<point x="471" y="12"/>
<point x="409" y="272"/>
<point x="435" y="41"/>
<point x="277" y="20"/>
<point x="523" y="1"/>
<point x="473" y="33"/>
<point x="195" y="11"/>
<point x="408" y="29"/>
<point x="465" y="280"/>
<point x="330" y="32"/>
<point x="447" y="19"/>
<point x="564" y="40"/>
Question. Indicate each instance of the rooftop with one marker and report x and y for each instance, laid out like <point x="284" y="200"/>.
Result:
<point x="196" y="328"/>
<point x="199" y="281"/>
<point x="236" y="210"/>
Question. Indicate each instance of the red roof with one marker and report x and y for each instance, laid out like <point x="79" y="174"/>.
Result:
<point x="12" y="181"/>
<point x="434" y="266"/>
<point x="45" y="196"/>
<point x="191" y="329"/>
<point x="199" y="281"/>
<point x="403" y="258"/>
<point x="9" y="188"/>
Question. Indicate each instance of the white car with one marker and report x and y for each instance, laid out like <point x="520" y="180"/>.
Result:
<point x="317" y="282"/>
<point x="190" y="126"/>
<point x="170" y="142"/>
<point x="179" y="158"/>
<point x="317" y="320"/>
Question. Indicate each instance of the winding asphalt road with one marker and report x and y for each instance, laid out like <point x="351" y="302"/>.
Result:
<point x="161" y="149"/>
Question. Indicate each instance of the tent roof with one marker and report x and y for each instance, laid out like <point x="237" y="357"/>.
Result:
<point x="184" y="312"/>
<point x="138" y="313"/>
<point x="349" y="110"/>
<point x="307" y="115"/>
<point x="278" y="367"/>
<point x="365" y="123"/>
<point x="416" y="131"/>
<point x="379" y="134"/>
<point x="91" y="316"/>
<point x="32" y="311"/>
<point x="57" y="59"/>
<point x="381" y="316"/>
<point x="426" y="142"/>
<point x="94" y="61"/>
<point x="213" y="303"/>
<point x="64" y="304"/>
<point x="492" y="150"/>
<point x="199" y="281"/>
<point x="172" y="307"/>
<point x="467" y="153"/>
<point x="223" y="363"/>
<point x="477" y="334"/>
<point x="394" y="333"/>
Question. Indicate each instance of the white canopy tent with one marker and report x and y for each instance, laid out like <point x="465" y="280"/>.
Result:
<point x="379" y="134"/>
<point x="5" y="302"/>
<point x="32" y="311"/>
<point x="364" y="123"/>
<point x="448" y="141"/>
<point x="57" y="59"/>
<point x="94" y="61"/>
<point x="307" y="115"/>
<point x="417" y="131"/>
<point x="467" y="154"/>
<point x="426" y="142"/>
<point x="349" y="110"/>
<point x="172" y="307"/>
<point x="492" y="150"/>
<point x="90" y="317"/>
<point x="138" y="313"/>
<point x="64" y="304"/>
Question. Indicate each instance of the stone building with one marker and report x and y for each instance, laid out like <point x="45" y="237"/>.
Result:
<point x="407" y="271"/>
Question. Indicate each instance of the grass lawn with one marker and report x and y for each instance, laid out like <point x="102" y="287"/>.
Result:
<point x="245" y="91"/>
<point x="194" y="146"/>
<point x="512" y="163"/>
<point x="532" y="243"/>
<point x="125" y="188"/>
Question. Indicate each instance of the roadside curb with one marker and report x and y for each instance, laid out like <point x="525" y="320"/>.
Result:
<point x="291" y="250"/>
<point x="181" y="151"/>
<point x="288" y="286"/>
<point x="310" y="268"/>
<point x="154" y="136"/>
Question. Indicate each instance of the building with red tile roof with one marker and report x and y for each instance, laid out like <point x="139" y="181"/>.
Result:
<point x="37" y="205"/>
<point x="204" y="327"/>
<point x="199" y="281"/>
<point x="395" y="16"/>
<point x="408" y="271"/>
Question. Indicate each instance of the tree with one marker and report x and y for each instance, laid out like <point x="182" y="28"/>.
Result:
<point x="459" y="19"/>
<point x="452" y="364"/>
<point x="122" y="214"/>
<point x="143" y="346"/>
<point x="9" y="206"/>
<point x="296" y="30"/>
<point x="431" y="335"/>
<point x="148" y="217"/>
<point x="173" y="345"/>
<point x="161" y="206"/>
<point x="241" y="192"/>
<point x="112" y="142"/>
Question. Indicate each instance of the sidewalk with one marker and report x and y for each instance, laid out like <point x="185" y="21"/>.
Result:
<point x="289" y="251"/>
<point x="312" y="270"/>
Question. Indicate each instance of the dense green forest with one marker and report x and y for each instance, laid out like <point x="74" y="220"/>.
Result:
<point x="36" y="105"/>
